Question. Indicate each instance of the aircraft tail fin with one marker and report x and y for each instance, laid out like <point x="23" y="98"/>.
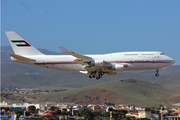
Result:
<point x="20" y="46"/>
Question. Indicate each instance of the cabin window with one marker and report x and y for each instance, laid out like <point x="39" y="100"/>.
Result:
<point x="161" y="53"/>
<point x="130" y="54"/>
<point x="146" y="54"/>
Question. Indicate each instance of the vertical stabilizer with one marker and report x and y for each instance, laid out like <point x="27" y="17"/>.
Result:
<point x="20" y="46"/>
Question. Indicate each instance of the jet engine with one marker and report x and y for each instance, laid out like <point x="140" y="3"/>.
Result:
<point x="117" y="67"/>
<point x="96" y="63"/>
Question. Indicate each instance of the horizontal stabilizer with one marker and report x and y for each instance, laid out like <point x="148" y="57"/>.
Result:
<point x="19" y="57"/>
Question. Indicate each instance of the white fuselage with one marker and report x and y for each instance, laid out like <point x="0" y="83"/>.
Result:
<point x="136" y="60"/>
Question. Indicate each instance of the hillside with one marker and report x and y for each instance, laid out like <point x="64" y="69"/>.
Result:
<point x="25" y="76"/>
<point x="128" y="91"/>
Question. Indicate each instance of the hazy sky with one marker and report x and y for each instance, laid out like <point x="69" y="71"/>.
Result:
<point x="95" y="26"/>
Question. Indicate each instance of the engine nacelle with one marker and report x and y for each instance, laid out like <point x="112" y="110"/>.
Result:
<point x="117" y="67"/>
<point x="97" y="63"/>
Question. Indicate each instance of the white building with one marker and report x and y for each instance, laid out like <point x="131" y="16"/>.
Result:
<point x="144" y="114"/>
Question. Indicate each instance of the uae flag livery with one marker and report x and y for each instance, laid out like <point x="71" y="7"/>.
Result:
<point x="21" y="43"/>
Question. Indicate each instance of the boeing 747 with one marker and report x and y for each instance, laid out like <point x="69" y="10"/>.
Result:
<point x="96" y="65"/>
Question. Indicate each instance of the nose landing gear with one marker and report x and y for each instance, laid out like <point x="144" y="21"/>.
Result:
<point x="157" y="73"/>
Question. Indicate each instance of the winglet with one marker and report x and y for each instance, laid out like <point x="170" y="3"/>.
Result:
<point x="63" y="49"/>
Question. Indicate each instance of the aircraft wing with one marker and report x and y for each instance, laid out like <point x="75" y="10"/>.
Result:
<point x="78" y="56"/>
<point x="88" y="62"/>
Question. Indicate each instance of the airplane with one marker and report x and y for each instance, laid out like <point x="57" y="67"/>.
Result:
<point x="96" y="65"/>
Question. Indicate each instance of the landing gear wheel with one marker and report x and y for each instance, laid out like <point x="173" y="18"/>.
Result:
<point x="94" y="76"/>
<point x="90" y="76"/>
<point x="157" y="74"/>
<point x="97" y="78"/>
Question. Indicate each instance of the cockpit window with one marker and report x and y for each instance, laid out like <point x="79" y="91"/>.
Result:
<point x="161" y="53"/>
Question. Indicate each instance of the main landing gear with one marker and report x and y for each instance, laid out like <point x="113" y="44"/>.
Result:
<point x="157" y="73"/>
<point x="96" y="74"/>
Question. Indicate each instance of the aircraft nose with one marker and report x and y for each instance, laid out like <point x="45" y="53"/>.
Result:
<point x="172" y="61"/>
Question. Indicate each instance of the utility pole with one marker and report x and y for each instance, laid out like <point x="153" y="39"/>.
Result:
<point x="161" y="113"/>
<point x="110" y="115"/>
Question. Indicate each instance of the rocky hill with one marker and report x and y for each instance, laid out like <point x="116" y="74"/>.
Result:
<point x="129" y="91"/>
